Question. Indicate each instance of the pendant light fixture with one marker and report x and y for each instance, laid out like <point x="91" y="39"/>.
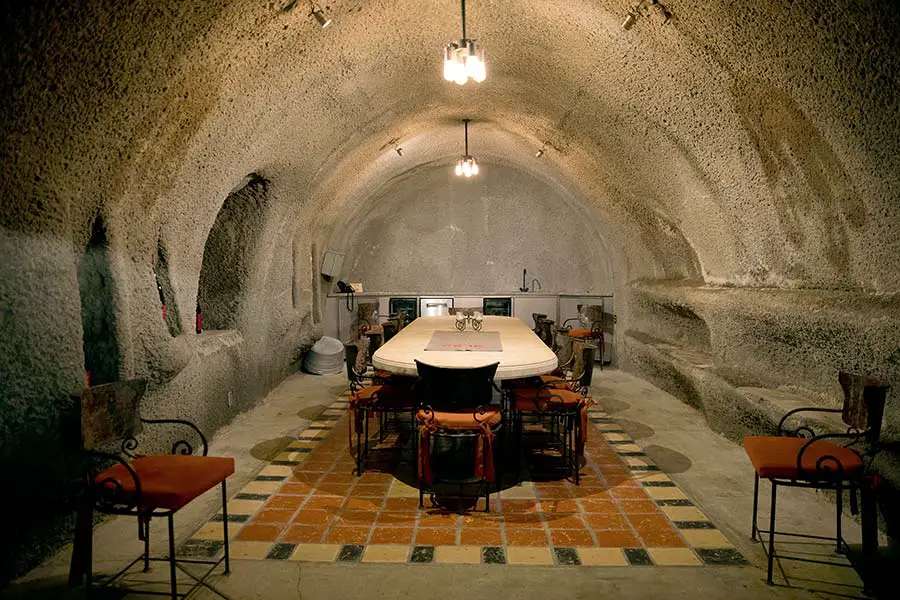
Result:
<point x="466" y="166"/>
<point x="463" y="60"/>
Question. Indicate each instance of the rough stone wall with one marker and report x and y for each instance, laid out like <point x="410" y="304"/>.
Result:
<point x="441" y="233"/>
<point x="749" y="145"/>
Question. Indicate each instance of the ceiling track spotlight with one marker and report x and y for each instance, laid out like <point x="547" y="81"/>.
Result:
<point x="321" y="17"/>
<point x="655" y="7"/>
<point x="539" y="153"/>
<point x="466" y="166"/>
<point x="399" y="151"/>
<point x="463" y="59"/>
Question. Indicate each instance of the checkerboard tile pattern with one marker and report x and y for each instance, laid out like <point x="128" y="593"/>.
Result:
<point x="307" y="505"/>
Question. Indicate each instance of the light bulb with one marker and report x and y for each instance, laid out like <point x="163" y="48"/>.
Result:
<point x="460" y="76"/>
<point x="480" y="71"/>
<point x="449" y="64"/>
<point x="467" y="169"/>
<point x="474" y="167"/>
<point x="459" y="169"/>
<point x="472" y="65"/>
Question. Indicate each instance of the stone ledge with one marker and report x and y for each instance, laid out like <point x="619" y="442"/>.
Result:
<point x="738" y="411"/>
<point x="214" y="340"/>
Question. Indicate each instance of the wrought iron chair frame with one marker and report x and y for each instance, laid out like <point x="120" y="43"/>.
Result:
<point x="356" y="381"/>
<point x="107" y="496"/>
<point x="565" y="422"/>
<point x="473" y="434"/>
<point x="828" y="474"/>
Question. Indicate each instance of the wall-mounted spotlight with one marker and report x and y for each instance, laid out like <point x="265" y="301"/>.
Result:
<point x="539" y="153"/>
<point x="399" y="151"/>
<point x="321" y="17"/>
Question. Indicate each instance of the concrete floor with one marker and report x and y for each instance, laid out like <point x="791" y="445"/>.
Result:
<point x="713" y="471"/>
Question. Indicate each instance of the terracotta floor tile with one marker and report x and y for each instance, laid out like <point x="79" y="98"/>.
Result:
<point x="390" y="518"/>
<point x="260" y="533"/>
<point x="438" y="519"/>
<point x="639" y="506"/>
<point x="314" y="516"/>
<point x="375" y="477"/>
<point x="368" y="504"/>
<point x="436" y="536"/>
<point x="559" y="506"/>
<point x="607" y="521"/>
<point x="284" y="501"/>
<point x="655" y="522"/>
<point x="617" y="539"/>
<point x="347" y="535"/>
<point x="392" y="535"/>
<point x="569" y="521"/>
<point x="473" y="536"/>
<point x="527" y="521"/>
<point x="628" y="493"/>
<point x="661" y="538"/>
<point x="598" y="494"/>
<point x="526" y="537"/>
<point x="339" y="489"/>
<point x="304" y="534"/>
<point x="370" y="489"/>
<point x="357" y="518"/>
<point x="304" y="478"/>
<point x="332" y="503"/>
<point x="314" y="466"/>
<point x="571" y="537"/>
<point x="598" y="506"/>
<point x="558" y="493"/>
<point x="274" y="515"/>
<point x="482" y="521"/>
<point x="401" y="503"/>
<point x="520" y="506"/>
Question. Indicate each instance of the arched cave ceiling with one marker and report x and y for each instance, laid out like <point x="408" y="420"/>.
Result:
<point x="744" y="143"/>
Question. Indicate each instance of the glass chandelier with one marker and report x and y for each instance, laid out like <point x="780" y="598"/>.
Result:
<point x="463" y="60"/>
<point x="466" y="166"/>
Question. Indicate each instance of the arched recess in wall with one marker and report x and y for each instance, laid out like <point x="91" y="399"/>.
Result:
<point x="98" y="314"/>
<point x="168" y="306"/>
<point x="228" y="254"/>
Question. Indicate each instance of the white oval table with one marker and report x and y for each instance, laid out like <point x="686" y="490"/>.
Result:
<point x="523" y="354"/>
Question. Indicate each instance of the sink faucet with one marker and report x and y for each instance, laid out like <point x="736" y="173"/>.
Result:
<point x="524" y="288"/>
<point x="535" y="282"/>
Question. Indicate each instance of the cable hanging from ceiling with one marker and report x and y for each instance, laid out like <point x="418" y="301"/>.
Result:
<point x="463" y="59"/>
<point x="466" y="166"/>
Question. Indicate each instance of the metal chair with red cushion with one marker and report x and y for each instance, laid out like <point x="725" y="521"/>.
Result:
<point x="561" y="402"/>
<point x="120" y="482"/>
<point x="373" y="393"/>
<point x="800" y="458"/>
<point x="455" y="411"/>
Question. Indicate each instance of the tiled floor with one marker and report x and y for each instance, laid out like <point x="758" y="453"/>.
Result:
<point x="307" y="505"/>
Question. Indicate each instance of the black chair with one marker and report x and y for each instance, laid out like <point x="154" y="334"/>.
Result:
<point x="120" y="482"/>
<point x="801" y="458"/>
<point x="455" y="412"/>
<point x="562" y="405"/>
<point x="373" y="393"/>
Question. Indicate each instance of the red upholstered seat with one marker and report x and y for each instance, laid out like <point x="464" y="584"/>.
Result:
<point x="776" y="457"/>
<point x="383" y="395"/>
<point x="546" y="399"/>
<point x="580" y="333"/>
<point x="460" y="421"/>
<point x="169" y="481"/>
